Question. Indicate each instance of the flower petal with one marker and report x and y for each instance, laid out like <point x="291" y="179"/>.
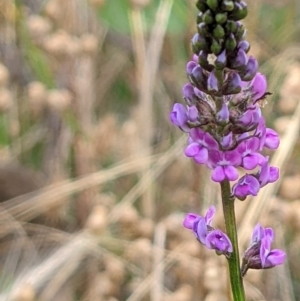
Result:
<point x="190" y="220"/>
<point x="231" y="173"/>
<point x="218" y="174"/>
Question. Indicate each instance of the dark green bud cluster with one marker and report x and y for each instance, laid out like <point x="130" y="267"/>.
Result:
<point x="219" y="29"/>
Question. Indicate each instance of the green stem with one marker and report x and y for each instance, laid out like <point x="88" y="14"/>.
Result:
<point x="236" y="280"/>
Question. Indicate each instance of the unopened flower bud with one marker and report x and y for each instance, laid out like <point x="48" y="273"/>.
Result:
<point x="212" y="82"/>
<point x="230" y="43"/>
<point x="212" y="4"/>
<point x="218" y="32"/>
<point x="198" y="43"/>
<point x="199" y="18"/>
<point x="227" y="5"/>
<point x="231" y="26"/>
<point x="201" y="5"/>
<point x="221" y="60"/>
<point x="215" y="47"/>
<point x="244" y="45"/>
<point x="208" y="17"/>
<point x="233" y="84"/>
<point x="240" y="61"/>
<point x="202" y="29"/>
<point x="221" y="18"/>
<point x="199" y="78"/>
<point x="240" y="11"/>
<point x="251" y="69"/>
<point x="203" y="61"/>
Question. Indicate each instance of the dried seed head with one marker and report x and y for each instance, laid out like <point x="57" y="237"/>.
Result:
<point x="4" y="76"/>
<point x="53" y="10"/>
<point x="115" y="269"/>
<point x="97" y="221"/>
<point x="6" y="99"/>
<point x="129" y="217"/>
<point x="36" y="94"/>
<point x="89" y="44"/>
<point x="146" y="228"/>
<point x="38" y="26"/>
<point x="59" y="100"/>
<point x="61" y="44"/>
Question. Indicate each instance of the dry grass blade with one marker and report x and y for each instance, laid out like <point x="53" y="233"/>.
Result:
<point x="149" y="74"/>
<point x="49" y="276"/>
<point x="158" y="271"/>
<point x="26" y="208"/>
<point x="153" y="173"/>
<point x="261" y="204"/>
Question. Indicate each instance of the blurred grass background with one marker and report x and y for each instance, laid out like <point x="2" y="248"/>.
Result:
<point x="93" y="181"/>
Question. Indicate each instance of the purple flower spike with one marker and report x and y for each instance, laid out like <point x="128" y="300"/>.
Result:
<point x="259" y="255"/>
<point x="219" y="241"/>
<point x="247" y="185"/>
<point x="227" y="140"/>
<point x="179" y="117"/>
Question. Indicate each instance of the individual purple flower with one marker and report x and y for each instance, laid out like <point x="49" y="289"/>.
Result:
<point x="246" y="185"/>
<point x="224" y="165"/>
<point x="201" y="142"/>
<point x="219" y="241"/>
<point x="250" y="117"/>
<point x="212" y="238"/>
<point x="267" y="174"/>
<point x="259" y="255"/>
<point x="270" y="258"/>
<point x="199" y="224"/>
<point x="180" y="116"/>
<point x="248" y="150"/>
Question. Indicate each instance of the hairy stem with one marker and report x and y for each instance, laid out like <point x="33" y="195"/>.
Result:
<point x="236" y="280"/>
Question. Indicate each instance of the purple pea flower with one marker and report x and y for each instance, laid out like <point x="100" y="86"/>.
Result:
<point x="201" y="142"/>
<point x="219" y="241"/>
<point x="259" y="255"/>
<point x="267" y="174"/>
<point x="213" y="239"/>
<point x="224" y="165"/>
<point x="248" y="150"/>
<point x="246" y="185"/>
<point x="180" y="116"/>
